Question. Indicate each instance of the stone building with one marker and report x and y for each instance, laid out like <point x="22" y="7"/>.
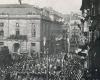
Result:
<point x="24" y="28"/>
<point x="91" y="14"/>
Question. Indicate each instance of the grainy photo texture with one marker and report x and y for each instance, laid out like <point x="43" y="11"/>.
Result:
<point x="49" y="39"/>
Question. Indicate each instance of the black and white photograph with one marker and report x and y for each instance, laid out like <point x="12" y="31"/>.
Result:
<point x="49" y="39"/>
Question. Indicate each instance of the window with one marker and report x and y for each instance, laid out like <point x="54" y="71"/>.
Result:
<point x="17" y="24"/>
<point x="17" y="32"/>
<point x="16" y="47"/>
<point x="33" y="30"/>
<point x="1" y="33"/>
<point x="34" y="33"/>
<point x="33" y="44"/>
<point x="1" y="43"/>
<point x="1" y="24"/>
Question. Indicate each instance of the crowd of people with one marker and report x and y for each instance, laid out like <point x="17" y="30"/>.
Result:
<point x="52" y="67"/>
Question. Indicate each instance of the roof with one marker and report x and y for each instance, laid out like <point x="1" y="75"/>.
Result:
<point x="26" y="9"/>
<point x="16" y="6"/>
<point x="18" y="9"/>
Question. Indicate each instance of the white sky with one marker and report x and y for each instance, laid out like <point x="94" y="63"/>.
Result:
<point x="63" y="6"/>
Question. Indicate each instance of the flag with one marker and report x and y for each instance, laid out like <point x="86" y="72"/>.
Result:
<point x="44" y="41"/>
<point x="20" y="1"/>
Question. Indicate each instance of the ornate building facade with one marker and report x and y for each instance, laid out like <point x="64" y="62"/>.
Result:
<point x="24" y="27"/>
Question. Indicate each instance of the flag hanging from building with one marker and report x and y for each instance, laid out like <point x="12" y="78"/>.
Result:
<point x="44" y="41"/>
<point x="20" y="1"/>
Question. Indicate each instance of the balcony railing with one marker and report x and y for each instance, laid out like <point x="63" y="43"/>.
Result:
<point x="18" y="37"/>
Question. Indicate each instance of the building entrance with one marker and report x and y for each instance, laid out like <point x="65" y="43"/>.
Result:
<point x="16" y="47"/>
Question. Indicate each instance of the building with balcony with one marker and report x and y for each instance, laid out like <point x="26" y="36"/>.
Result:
<point x="24" y="27"/>
<point x="91" y="14"/>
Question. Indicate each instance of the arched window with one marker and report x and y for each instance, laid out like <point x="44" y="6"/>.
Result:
<point x="17" y="24"/>
<point x="16" y="47"/>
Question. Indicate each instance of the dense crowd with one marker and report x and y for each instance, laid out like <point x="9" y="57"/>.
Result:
<point x="52" y="67"/>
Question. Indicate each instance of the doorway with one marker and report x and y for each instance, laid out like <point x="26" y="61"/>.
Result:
<point x="16" y="47"/>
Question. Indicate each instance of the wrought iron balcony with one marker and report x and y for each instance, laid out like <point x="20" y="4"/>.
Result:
<point x="18" y="37"/>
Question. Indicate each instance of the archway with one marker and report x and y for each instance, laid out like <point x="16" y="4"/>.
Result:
<point x="16" y="47"/>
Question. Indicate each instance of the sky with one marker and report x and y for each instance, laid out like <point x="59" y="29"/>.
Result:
<point x="63" y="6"/>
